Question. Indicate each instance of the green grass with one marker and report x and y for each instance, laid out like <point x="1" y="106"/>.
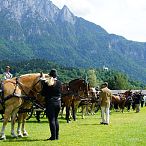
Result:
<point x="125" y="129"/>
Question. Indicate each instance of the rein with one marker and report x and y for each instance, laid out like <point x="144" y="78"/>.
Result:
<point x="26" y="95"/>
<point x="13" y="94"/>
<point x="30" y="96"/>
<point x="33" y="90"/>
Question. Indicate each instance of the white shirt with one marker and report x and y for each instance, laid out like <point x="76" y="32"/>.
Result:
<point x="7" y="75"/>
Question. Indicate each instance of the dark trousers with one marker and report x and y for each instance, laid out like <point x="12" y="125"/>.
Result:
<point x="52" y="111"/>
<point x="1" y="89"/>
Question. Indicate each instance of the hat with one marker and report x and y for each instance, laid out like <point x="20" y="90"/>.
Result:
<point x="8" y="67"/>
<point x="53" y="73"/>
<point x="105" y="83"/>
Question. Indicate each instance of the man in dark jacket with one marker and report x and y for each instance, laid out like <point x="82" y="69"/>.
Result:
<point x="52" y="96"/>
<point x="137" y="101"/>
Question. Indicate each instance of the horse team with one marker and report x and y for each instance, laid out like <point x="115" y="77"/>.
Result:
<point x="128" y="100"/>
<point x="21" y="93"/>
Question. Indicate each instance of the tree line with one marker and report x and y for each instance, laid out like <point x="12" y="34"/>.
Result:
<point x="95" y="76"/>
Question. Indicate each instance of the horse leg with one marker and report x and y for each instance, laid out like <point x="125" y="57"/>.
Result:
<point x="83" y="108"/>
<point x="7" y="114"/>
<point x="20" y="116"/>
<point x="13" y="120"/>
<point x="93" y="108"/>
<point x="73" y="111"/>
<point x="67" y="113"/>
<point x="87" y="109"/>
<point x="23" y="125"/>
<point x="61" y="113"/>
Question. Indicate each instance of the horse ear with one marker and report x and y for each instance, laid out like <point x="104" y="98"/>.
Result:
<point x="41" y="74"/>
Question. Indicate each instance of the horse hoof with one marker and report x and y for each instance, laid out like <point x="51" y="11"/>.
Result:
<point x="25" y="134"/>
<point x="20" y="135"/>
<point x="3" y="138"/>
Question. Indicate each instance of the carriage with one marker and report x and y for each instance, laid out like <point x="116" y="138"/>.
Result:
<point x="22" y="98"/>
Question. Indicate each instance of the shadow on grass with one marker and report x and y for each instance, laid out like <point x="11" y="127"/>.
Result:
<point x="23" y="139"/>
<point x="90" y="124"/>
<point x="94" y="124"/>
<point x="61" y="120"/>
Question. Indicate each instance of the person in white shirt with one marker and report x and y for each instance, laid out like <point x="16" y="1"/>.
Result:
<point x="7" y="74"/>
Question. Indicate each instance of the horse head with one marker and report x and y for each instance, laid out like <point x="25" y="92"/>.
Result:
<point x="79" y="85"/>
<point x="92" y="92"/>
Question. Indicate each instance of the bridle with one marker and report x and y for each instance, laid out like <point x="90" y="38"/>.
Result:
<point x="33" y="89"/>
<point x="25" y="95"/>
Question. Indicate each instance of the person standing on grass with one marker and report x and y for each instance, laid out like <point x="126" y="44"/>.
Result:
<point x="137" y="101"/>
<point x="105" y="97"/>
<point x="52" y="96"/>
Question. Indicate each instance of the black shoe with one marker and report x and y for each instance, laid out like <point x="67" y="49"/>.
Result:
<point x="105" y="123"/>
<point x="101" y="122"/>
<point x="51" y="138"/>
<point x="38" y="121"/>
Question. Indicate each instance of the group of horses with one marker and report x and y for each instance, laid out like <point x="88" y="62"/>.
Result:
<point x="126" y="100"/>
<point x="78" y="93"/>
<point x="20" y="93"/>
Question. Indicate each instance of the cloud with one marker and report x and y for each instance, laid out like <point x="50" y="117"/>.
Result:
<point x="121" y="17"/>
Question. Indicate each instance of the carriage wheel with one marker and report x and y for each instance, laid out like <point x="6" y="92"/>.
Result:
<point x="29" y="114"/>
<point x="42" y="113"/>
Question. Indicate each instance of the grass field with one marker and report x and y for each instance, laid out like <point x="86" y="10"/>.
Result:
<point x="125" y="129"/>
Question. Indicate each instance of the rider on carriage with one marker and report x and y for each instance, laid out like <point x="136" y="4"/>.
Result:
<point x="6" y="75"/>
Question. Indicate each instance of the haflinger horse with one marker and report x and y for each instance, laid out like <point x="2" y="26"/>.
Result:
<point x="94" y="100"/>
<point x="20" y="93"/>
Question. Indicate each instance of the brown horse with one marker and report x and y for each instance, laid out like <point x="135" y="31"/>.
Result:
<point x="118" y="101"/>
<point x="19" y="93"/>
<point x="72" y="93"/>
<point x="129" y="99"/>
<point x="69" y="100"/>
<point x="80" y="89"/>
<point x="77" y="85"/>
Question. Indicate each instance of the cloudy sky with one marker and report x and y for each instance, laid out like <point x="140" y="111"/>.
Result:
<point x="122" y="17"/>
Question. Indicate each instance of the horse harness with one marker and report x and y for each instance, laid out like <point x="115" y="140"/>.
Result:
<point x="25" y="97"/>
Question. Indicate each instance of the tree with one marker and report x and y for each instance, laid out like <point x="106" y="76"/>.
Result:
<point x="92" y="78"/>
<point x="118" y="81"/>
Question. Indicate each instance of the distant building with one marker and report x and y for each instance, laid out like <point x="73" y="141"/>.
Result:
<point x="105" y="68"/>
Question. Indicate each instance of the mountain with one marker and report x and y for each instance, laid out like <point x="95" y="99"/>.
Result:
<point x="39" y="29"/>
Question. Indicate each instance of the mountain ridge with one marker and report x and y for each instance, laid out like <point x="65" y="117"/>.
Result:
<point x="39" y="29"/>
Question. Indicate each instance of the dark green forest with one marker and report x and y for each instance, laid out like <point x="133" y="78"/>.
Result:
<point x="95" y="76"/>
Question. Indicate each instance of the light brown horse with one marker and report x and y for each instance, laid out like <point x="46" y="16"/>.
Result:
<point x="94" y="100"/>
<point x="20" y="92"/>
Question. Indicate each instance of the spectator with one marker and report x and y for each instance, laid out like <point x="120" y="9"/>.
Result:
<point x="52" y="96"/>
<point x="105" y="96"/>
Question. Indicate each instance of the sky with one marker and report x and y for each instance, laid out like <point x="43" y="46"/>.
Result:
<point x="126" y="18"/>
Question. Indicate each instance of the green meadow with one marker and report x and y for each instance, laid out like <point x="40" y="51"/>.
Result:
<point x="125" y="129"/>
